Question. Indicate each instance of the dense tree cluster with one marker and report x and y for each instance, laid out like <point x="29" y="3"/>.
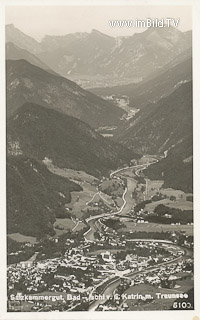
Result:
<point x="164" y="214"/>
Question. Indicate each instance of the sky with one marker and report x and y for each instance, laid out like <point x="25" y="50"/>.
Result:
<point x="37" y="21"/>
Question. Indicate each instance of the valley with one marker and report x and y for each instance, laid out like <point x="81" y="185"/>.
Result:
<point x="99" y="171"/>
<point x="118" y="231"/>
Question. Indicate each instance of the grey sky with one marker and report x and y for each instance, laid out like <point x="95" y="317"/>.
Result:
<point x="38" y="21"/>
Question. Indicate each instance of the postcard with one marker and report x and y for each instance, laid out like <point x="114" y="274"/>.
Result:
<point x="100" y="106"/>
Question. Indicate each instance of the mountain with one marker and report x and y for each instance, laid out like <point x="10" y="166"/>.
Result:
<point x="35" y="196"/>
<point x="150" y="91"/>
<point x="98" y="55"/>
<point x="160" y="125"/>
<point x="28" y="83"/>
<point x="135" y="57"/>
<point x="77" y="54"/>
<point x="177" y="168"/>
<point x="165" y="127"/>
<point x="21" y="40"/>
<point x="13" y="52"/>
<point x="40" y="133"/>
<point x="95" y="38"/>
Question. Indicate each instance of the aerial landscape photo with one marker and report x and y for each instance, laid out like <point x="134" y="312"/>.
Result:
<point x="99" y="159"/>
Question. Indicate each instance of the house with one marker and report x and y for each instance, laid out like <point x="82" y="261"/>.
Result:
<point x="106" y="256"/>
<point x="26" y="264"/>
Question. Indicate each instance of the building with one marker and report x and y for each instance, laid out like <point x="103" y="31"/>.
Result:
<point x="26" y="264"/>
<point x="106" y="256"/>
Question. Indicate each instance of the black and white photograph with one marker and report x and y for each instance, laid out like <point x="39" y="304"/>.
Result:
<point x="99" y="159"/>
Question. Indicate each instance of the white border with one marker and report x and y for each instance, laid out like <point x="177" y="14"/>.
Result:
<point x="138" y="315"/>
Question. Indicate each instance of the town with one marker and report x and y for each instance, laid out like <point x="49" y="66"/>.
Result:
<point x="119" y="252"/>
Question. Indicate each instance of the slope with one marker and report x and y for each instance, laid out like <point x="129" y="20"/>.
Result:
<point x="160" y="125"/>
<point x="163" y="84"/>
<point x="42" y="133"/>
<point x="28" y="83"/>
<point x="35" y="196"/>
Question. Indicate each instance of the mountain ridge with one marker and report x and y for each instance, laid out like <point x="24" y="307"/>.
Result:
<point x="160" y="125"/>
<point x="95" y="53"/>
<point x="40" y="133"/>
<point x="29" y="83"/>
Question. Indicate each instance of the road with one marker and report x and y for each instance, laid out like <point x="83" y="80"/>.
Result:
<point x="89" y="235"/>
<point x="128" y="202"/>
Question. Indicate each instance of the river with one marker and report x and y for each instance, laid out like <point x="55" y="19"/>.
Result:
<point x="127" y="205"/>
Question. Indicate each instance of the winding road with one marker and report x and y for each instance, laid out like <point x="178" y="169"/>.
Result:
<point x="128" y="202"/>
<point x="89" y="235"/>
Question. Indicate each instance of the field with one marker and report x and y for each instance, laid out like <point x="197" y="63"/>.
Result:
<point x="114" y="186"/>
<point x="153" y="186"/>
<point x="151" y="206"/>
<point x="101" y="196"/>
<point x="178" y="204"/>
<point x="153" y="227"/>
<point x="147" y="158"/>
<point x="86" y="181"/>
<point x="65" y="224"/>
<point x="128" y="174"/>
<point x="80" y="226"/>
<point x="182" y="204"/>
<point x="119" y="202"/>
<point x="21" y="238"/>
<point x="79" y="199"/>
<point x="72" y="174"/>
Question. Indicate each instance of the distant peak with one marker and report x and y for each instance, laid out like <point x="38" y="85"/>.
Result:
<point x="11" y="25"/>
<point x="95" y="31"/>
<point x="99" y="33"/>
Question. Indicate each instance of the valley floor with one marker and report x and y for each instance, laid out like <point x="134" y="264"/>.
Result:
<point x="117" y="251"/>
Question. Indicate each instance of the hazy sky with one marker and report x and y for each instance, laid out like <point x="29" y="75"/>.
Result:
<point x="38" y="21"/>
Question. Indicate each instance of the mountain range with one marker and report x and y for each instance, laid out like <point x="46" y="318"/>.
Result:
<point x="165" y="127"/>
<point x="52" y="119"/>
<point x="36" y="136"/>
<point x="93" y="54"/>
<point x="151" y="90"/>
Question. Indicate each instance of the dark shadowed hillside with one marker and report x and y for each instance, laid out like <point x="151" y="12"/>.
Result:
<point x="28" y="83"/>
<point x="176" y="169"/>
<point x="35" y="196"/>
<point x="165" y="126"/>
<point x="13" y="52"/>
<point x="162" y="124"/>
<point x="140" y="95"/>
<point x="40" y="132"/>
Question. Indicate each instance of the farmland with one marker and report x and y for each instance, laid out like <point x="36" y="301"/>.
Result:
<point x="153" y="227"/>
<point x="22" y="238"/>
<point x="62" y="225"/>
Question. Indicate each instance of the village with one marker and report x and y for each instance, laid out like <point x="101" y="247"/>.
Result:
<point x="85" y="270"/>
<point x="119" y="248"/>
